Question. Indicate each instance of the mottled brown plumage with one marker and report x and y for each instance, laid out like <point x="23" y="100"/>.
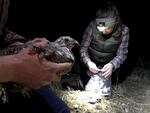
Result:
<point x="58" y="51"/>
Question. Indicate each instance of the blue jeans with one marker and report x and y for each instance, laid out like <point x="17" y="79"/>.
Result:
<point x="52" y="100"/>
<point x="41" y="101"/>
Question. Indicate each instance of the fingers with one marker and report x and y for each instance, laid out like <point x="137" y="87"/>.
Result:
<point x="95" y="70"/>
<point x="36" y="40"/>
<point x="107" y="73"/>
<point x="61" y="66"/>
<point x="56" y="67"/>
<point x="105" y="68"/>
<point x="40" y="42"/>
<point x="92" y="67"/>
<point x="57" y="70"/>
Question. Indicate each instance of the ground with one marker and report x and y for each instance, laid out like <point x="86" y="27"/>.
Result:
<point x="130" y="96"/>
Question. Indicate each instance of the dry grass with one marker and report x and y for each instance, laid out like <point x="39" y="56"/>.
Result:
<point x="131" y="96"/>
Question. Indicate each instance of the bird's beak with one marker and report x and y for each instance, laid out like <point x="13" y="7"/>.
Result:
<point x="76" y="43"/>
<point x="73" y="44"/>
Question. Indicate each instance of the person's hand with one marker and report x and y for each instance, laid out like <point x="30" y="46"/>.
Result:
<point x="107" y="70"/>
<point x="92" y="67"/>
<point x="40" y="42"/>
<point x="33" y="72"/>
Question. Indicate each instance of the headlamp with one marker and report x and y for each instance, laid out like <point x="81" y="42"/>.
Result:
<point x="105" y="22"/>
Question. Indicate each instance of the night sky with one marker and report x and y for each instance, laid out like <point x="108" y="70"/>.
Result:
<point x="44" y="18"/>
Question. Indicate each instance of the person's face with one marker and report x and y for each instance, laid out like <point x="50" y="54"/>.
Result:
<point x="105" y="30"/>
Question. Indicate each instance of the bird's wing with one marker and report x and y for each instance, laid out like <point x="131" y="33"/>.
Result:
<point x="58" y="54"/>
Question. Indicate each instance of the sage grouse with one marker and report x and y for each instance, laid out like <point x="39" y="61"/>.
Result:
<point x="58" y="51"/>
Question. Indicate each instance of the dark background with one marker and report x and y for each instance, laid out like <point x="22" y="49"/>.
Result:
<point x="51" y="19"/>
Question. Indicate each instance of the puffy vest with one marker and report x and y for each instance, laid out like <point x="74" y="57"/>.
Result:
<point x="103" y="49"/>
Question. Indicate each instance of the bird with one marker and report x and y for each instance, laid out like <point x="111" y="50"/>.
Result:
<point x="59" y="51"/>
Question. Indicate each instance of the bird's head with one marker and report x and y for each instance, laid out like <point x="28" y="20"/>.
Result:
<point x="67" y="41"/>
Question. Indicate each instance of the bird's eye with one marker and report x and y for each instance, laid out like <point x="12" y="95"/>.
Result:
<point x="66" y="40"/>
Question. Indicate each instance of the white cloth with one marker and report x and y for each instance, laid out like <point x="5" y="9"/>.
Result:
<point x="98" y="84"/>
